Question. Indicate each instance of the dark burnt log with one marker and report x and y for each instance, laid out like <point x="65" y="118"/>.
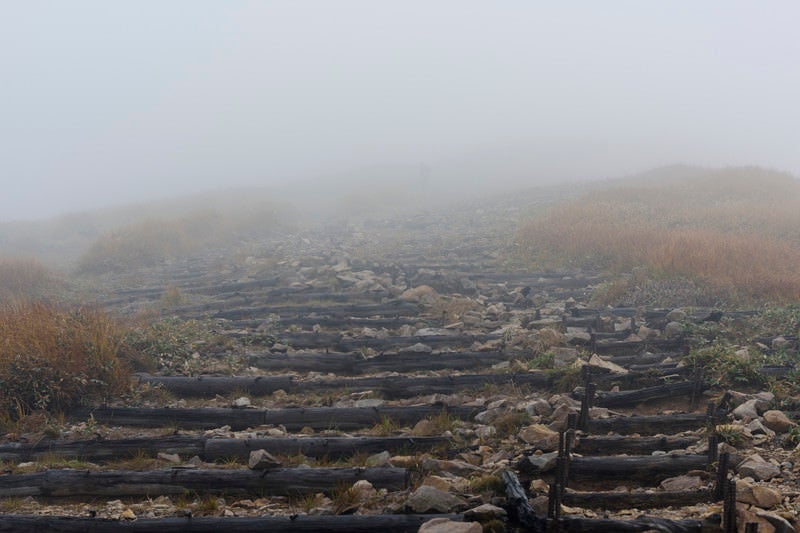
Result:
<point x="520" y="509"/>
<point x="641" y="359"/>
<point x="200" y="418"/>
<point x="293" y="419"/>
<point x="646" y="468"/>
<point x="103" y="450"/>
<point x="633" y="397"/>
<point x="391" y="308"/>
<point x="400" y="523"/>
<point x="639" y="525"/>
<point x="390" y="386"/>
<point x="331" y="322"/>
<point x="404" y="386"/>
<point x="338" y="363"/>
<point x="210" y="386"/>
<point x="649" y="425"/>
<point x="614" y="501"/>
<point x="351" y="363"/>
<point x="619" y="348"/>
<point x="434" y="341"/>
<point x="66" y="483"/>
<point x="618" y="444"/>
<point x="329" y="447"/>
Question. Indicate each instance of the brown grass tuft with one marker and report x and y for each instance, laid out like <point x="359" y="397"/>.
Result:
<point x="732" y="230"/>
<point x="52" y="358"/>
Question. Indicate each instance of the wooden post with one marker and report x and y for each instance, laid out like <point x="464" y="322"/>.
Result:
<point x="722" y="476"/>
<point x="729" y="509"/>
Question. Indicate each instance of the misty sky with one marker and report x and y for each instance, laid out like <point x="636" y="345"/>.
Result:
<point x="109" y="102"/>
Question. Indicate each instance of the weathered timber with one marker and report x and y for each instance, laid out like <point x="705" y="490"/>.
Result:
<point x="213" y="449"/>
<point x="641" y="524"/>
<point x="649" y="425"/>
<point x="649" y="468"/>
<point x="633" y="397"/>
<point x="638" y="500"/>
<point x="619" y="348"/>
<point x="340" y="343"/>
<point x="62" y="483"/>
<point x="389" y="386"/>
<point x="294" y="419"/>
<point x="618" y="444"/>
<point x="521" y="511"/>
<point x="353" y="363"/>
<point x="391" y="308"/>
<point x="330" y="447"/>
<point x="210" y="386"/>
<point x="274" y="524"/>
<point x="102" y="449"/>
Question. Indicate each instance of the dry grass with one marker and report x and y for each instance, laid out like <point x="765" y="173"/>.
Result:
<point x="52" y="358"/>
<point x="26" y="279"/>
<point x="733" y="230"/>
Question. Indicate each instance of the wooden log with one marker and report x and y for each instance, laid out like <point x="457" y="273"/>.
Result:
<point x="401" y="523"/>
<point x="351" y="363"/>
<point x="330" y="447"/>
<point x="65" y="483"/>
<point x="210" y="386"/>
<point x="391" y="308"/>
<point x="619" y="348"/>
<point x="633" y="397"/>
<point x="618" y="444"/>
<point x="635" y="500"/>
<point x="294" y="419"/>
<point x="648" y="468"/>
<point x="521" y="511"/>
<point x="649" y="425"/>
<point x="404" y="386"/>
<point x="102" y="449"/>
<point x="640" y="525"/>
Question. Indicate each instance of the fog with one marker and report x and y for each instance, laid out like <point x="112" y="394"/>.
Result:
<point x="106" y="103"/>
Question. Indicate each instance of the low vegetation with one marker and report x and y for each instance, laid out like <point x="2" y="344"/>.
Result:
<point x="54" y="358"/>
<point x="26" y="279"/>
<point x="726" y="236"/>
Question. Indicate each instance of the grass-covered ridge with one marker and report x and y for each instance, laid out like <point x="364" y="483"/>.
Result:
<point x="732" y="231"/>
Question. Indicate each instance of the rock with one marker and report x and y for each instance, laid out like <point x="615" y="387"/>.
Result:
<point x="682" y="483"/>
<point x="369" y="402"/>
<point x="486" y="512"/>
<point x="364" y="489"/>
<point x="169" y="457"/>
<point x="539" y="486"/>
<point x="425" y="428"/>
<point x="484" y="432"/>
<point x="427" y="499"/>
<point x="422" y="293"/>
<point x="540" y="504"/>
<point x="599" y="362"/>
<point x="447" y="483"/>
<point x="434" y="332"/>
<point x="241" y="402"/>
<point x="383" y="458"/>
<point x="262" y="460"/>
<point x="777" y="421"/>
<point x="128" y="514"/>
<point x="755" y="427"/>
<point x="757" y="468"/>
<point x="560" y="416"/>
<point x="563" y="357"/>
<point x="540" y="436"/>
<point x="445" y="525"/>
<point x="676" y="315"/>
<point x="673" y="330"/>
<point x="647" y="333"/>
<point x="747" y="410"/>
<point x="780" y="524"/>
<point x="417" y="348"/>
<point x="538" y="464"/>
<point x="763" y="497"/>
<point x="539" y="406"/>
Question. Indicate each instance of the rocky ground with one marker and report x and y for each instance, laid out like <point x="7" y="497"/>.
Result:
<point x="280" y="307"/>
